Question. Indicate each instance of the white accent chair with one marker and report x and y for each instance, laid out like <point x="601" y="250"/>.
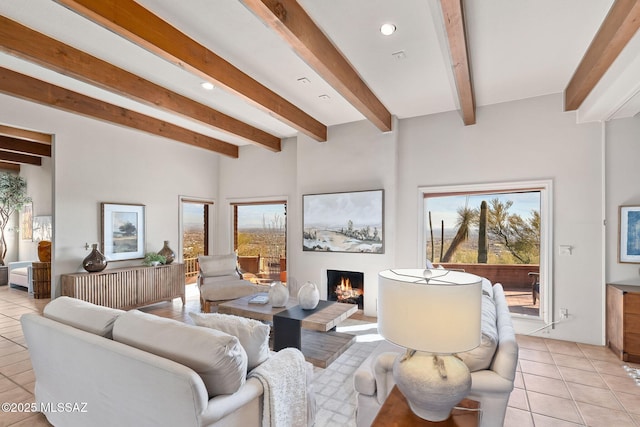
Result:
<point x="219" y="280"/>
<point x="20" y="274"/>
<point x="491" y="385"/>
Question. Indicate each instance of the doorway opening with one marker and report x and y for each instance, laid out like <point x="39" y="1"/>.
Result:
<point x="195" y="235"/>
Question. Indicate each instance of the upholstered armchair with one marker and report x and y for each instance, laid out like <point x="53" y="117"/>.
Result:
<point x="20" y="274"/>
<point x="219" y="280"/>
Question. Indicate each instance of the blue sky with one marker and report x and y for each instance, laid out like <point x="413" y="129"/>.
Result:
<point x="445" y="208"/>
<point x="249" y="216"/>
<point x="192" y="214"/>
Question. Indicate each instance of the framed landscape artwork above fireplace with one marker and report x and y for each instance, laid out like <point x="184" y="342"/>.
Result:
<point x="344" y="222"/>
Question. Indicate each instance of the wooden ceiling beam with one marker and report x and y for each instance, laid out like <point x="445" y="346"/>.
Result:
<point x="10" y="166"/>
<point x="23" y="42"/>
<point x="19" y="85"/>
<point x="10" y="156"/>
<point x="28" y="135"/>
<point x="619" y="26"/>
<point x="135" y="23"/>
<point x="23" y="146"/>
<point x="296" y="27"/>
<point x="453" y="14"/>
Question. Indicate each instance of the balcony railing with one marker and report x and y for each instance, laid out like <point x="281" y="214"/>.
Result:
<point x="515" y="280"/>
<point x="191" y="269"/>
<point x="511" y="276"/>
<point x="263" y="267"/>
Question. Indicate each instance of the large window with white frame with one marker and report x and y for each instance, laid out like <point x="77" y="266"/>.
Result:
<point x="501" y="231"/>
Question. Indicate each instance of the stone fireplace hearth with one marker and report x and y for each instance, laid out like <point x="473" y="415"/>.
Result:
<point x="346" y="286"/>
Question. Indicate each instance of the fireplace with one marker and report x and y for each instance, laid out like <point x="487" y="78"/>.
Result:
<point x="345" y="286"/>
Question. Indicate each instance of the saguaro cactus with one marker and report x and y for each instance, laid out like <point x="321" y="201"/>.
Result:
<point x="483" y="245"/>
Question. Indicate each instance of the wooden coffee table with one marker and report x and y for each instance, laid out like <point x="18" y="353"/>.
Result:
<point x="319" y="342"/>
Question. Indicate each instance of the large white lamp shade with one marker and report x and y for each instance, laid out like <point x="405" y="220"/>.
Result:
<point x="437" y="313"/>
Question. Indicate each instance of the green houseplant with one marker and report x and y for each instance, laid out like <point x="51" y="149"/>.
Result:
<point x="153" y="258"/>
<point x="13" y="196"/>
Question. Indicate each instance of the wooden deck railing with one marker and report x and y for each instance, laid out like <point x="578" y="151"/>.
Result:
<point x="265" y="267"/>
<point x="191" y="267"/>
<point x="511" y="276"/>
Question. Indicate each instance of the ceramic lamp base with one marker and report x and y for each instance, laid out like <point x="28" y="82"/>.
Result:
<point x="432" y="384"/>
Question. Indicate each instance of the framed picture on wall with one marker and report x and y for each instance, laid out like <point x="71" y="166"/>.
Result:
<point x="629" y="234"/>
<point x="344" y="222"/>
<point x="42" y="228"/>
<point x="122" y="231"/>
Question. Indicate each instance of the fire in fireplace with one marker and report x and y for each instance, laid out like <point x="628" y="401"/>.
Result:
<point x="345" y="286"/>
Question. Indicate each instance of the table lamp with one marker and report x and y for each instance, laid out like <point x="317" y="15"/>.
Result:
<point x="434" y="314"/>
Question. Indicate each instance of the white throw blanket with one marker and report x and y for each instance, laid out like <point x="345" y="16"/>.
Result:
<point x="284" y="380"/>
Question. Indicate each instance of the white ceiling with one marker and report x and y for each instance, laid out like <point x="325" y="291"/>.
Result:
<point x="518" y="49"/>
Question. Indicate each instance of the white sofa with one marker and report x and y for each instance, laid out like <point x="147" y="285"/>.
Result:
<point x="108" y="367"/>
<point x="492" y="369"/>
<point x="20" y="274"/>
<point x="219" y="280"/>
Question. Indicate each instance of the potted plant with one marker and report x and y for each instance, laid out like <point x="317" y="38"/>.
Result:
<point x="13" y="196"/>
<point x="153" y="258"/>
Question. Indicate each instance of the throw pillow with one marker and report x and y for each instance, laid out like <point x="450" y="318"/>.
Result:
<point x="487" y="287"/>
<point x="481" y="357"/>
<point x="218" y="265"/>
<point x="253" y="335"/>
<point x="218" y="358"/>
<point x="83" y="315"/>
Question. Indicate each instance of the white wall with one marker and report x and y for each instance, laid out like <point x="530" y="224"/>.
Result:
<point x="257" y="175"/>
<point x="525" y="140"/>
<point x="517" y="141"/>
<point x="623" y="188"/>
<point x="356" y="157"/>
<point x="97" y="162"/>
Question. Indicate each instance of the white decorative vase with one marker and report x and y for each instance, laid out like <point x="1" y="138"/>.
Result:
<point x="308" y="296"/>
<point x="278" y="295"/>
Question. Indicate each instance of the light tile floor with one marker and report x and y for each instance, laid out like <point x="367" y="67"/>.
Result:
<point x="558" y="383"/>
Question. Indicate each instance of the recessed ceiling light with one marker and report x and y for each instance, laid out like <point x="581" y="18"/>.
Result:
<point x="387" y="29"/>
<point x="207" y="85"/>
<point x="304" y="80"/>
<point x="324" y="97"/>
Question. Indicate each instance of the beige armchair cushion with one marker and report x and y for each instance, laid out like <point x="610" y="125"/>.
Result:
<point x="218" y="265"/>
<point x="228" y="288"/>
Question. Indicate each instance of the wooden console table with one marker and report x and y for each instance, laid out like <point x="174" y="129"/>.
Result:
<point x="395" y="412"/>
<point x="127" y="287"/>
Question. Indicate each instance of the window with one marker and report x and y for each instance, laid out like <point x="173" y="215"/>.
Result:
<point x="260" y="239"/>
<point x="498" y="231"/>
